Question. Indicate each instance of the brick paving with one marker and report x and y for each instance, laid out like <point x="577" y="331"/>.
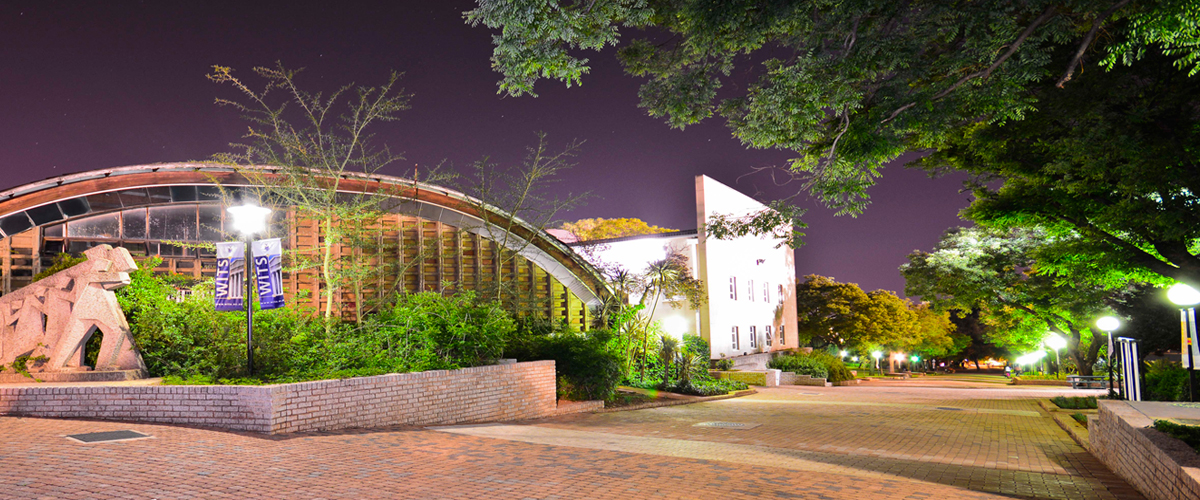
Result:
<point x="878" y="442"/>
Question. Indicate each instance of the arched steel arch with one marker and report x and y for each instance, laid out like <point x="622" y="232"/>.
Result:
<point x="64" y="198"/>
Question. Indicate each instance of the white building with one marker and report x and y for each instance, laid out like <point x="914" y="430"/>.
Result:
<point x="749" y="281"/>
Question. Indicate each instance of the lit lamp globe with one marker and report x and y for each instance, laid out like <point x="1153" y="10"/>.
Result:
<point x="1183" y="295"/>
<point x="854" y="359"/>
<point x="877" y="354"/>
<point x="844" y="353"/>
<point x="1056" y="341"/>
<point x="249" y="219"/>
<point x="1108" y="323"/>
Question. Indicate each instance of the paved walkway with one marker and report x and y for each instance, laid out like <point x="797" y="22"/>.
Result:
<point x="893" y="442"/>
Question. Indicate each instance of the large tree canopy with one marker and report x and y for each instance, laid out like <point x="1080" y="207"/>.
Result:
<point x="994" y="272"/>
<point x="1111" y="168"/>
<point x="848" y="85"/>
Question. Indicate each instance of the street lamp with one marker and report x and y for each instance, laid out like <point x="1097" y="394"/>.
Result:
<point x="877" y="355"/>
<point x="249" y="219"/>
<point x="844" y="353"/>
<point x="1109" y="324"/>
<point x="1186" y="297"/>
<point x="1056" y="342"/>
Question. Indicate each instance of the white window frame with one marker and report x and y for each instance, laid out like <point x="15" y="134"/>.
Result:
<point x="753" y="337"/>
<point x="737" y="340"/>
<point x="767" y="332"/>
<point x="767" y="292"/>
<point x="733" y="287"/>
<point x="750" y="291"/>
<point x="782" y="339"/>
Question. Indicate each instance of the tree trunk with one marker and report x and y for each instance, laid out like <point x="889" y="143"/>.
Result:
<point x="326" y="273"/>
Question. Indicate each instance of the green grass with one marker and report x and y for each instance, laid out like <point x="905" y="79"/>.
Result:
<point x="1075" y="403"/>
<point x="1081" y="418"/>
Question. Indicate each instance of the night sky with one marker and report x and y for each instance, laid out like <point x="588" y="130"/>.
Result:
<point x="89" y="85"/>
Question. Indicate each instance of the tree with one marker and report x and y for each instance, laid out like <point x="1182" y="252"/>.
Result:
<point x="848" y="86"/>
<point x="309" y="149"/>
<point x="1110" y="169"/>
<point x="843" y="315"/>
<point x="599" y="229"/>
<point x="994" y="272"/>
<point x="526" y="200"/>
<point x="969" y="323"/>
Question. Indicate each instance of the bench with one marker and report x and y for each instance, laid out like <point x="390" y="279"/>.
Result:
<point x="1087" y="381"/>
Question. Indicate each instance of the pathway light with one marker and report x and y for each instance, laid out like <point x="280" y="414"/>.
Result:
<point x="249" y="219"/>
<point x="1186" y="298"/>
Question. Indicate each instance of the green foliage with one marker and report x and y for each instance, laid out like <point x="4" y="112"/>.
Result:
<point x="995" y="272"/>
<point x="62" y="261"/>
<point x="1166" y="381"/>
<point x="838" y="372"/>
<point x="724" y="364"/>
<point x="587" y="364"/>
<point x="1107" y="170"/>
<point x="1081" y="418"/>
<point x="20" y="364"/>
<point x="1043" y="376"/>
<point x="1075" y="402"/>
<point x="704" y="387"/>
<point x="799" y="364"/>
<point x="846" y="86"/>
<point x="1189" y="434"/>
<point x="189" y="341"/>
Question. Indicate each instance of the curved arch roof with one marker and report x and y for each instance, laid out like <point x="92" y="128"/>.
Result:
<point x="63" y="198"/>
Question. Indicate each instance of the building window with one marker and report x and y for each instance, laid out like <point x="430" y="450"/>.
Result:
<point x="781" y="296"/>
<point x="782" y="339"/>
<point x="733" y="288"/>
<point x="750" y="292"/>
<point x="768" y="333"/>
<point x="753" y="338"/>
<point x="766" y="292"/>
<point x="736" y="344"/>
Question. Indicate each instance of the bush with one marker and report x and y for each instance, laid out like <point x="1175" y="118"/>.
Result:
<point x="1189" y="434"/>
<point x="724" y="364"/>
<point x="800" y="364"/>
<point x="1043" y="376"/>
<point x="184" y="339"/>
<point x="709" y="387"/>
<point x="838" y="372"/>
<point x="1166" y="381"/>
<point x="1075" y="403"/>
<point x="586" y="364"/>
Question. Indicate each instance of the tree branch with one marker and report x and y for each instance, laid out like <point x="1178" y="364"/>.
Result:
<point x="1087" y="41"/>
<point x="986" y="73"/>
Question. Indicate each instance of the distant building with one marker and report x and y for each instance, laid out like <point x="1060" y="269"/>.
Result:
<point x="749" y="281"/>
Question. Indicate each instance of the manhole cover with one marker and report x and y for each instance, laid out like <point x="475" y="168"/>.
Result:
<point x="947" y="408"/>
<point x="102" y="437"/>
<point x="727" y="425"/>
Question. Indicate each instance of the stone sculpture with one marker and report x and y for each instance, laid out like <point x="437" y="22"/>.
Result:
<point x="57" y="315"/>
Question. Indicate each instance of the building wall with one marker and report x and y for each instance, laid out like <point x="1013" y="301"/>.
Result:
<point x="745" y="260"/>
<point x="635" y="255"/>
<point x="1158" y="466"/>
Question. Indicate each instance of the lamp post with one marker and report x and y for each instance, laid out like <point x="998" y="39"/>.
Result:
<point x="877" y="355"/>
<point x="1056" y="342"/>
<point x="249" y="219"/>
<point x="844" y="353"/>
<point x="1186" y="297"/>
<point x="1109" y="324"/>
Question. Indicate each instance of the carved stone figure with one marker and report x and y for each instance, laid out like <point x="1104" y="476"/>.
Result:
<point x="57" y="315"/>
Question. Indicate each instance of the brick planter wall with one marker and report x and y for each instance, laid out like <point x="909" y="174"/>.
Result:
<point x="1157" y="465"/>
<point x="480" y="394"/>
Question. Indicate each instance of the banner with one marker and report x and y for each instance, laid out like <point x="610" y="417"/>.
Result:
<point x="268" y="271"/>
<point x="231" y="276"/>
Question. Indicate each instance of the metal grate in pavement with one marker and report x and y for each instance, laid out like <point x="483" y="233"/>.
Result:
<point x="727" y="425"/>
<point x="104" y="437"/>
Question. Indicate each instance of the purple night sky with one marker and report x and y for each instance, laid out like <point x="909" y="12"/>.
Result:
<point x="90" y="85"/>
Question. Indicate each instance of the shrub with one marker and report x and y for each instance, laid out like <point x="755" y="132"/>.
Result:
<point x="800" y="364"/>
<point x="838" y="372"/>
<point x="1075" y="402"/>
<point x="724" y="364"/>
<point x="1043" y="376"/>
<point x="1189" y="434"/>
<point x="1166" y="381"/>
<point x="709" y="387"/>
<point x="587" y="364"/>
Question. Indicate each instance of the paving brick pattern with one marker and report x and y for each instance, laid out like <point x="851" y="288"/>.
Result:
<point x="801" y="450"/>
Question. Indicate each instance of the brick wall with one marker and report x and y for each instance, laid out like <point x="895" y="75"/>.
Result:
<point x="480" y="394"/>
<point x="1157" y="465"/>
<point x="243" y="408"/>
